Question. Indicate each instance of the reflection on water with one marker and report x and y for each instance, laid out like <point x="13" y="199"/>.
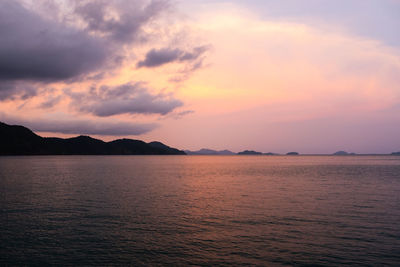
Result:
<point x="201" y="210"/>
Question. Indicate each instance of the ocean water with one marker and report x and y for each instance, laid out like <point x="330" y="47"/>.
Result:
<point x="200" y="210"/>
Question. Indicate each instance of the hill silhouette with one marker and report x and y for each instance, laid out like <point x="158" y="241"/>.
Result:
<point x="19" y="140"/>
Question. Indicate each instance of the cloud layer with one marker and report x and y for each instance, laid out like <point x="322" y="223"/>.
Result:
<point x="33" y="48"/>
<point x="81" y="126"/>
<point x="68" y="57"/>
<point x="10" y="90"/>
<point x="124" y="99"/>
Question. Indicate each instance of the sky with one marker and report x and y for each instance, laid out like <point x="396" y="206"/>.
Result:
<point x="313" y="76"/>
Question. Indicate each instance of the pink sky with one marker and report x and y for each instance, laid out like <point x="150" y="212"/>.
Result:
<point x="212" y="74"/>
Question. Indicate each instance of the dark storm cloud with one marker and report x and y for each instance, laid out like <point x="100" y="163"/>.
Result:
<point x="72" y="126"/>
<point x="124" y="99"/>
<point x="158" y="57"/>
<point x="119" y="20"/>
<point x="33" y="48"/>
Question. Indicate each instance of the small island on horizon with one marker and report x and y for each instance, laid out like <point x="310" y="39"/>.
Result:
<point x="343" y="153"/>
<point x="206" y="151"/>
<point x="249" y="152"/>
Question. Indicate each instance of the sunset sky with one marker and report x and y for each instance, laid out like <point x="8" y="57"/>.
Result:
<point x="313" y="76"/>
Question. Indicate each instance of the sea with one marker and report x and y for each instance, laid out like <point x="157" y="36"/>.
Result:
<point x="200" y="211"/>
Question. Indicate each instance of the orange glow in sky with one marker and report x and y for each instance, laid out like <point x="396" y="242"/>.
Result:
<point x="228" y="78"/>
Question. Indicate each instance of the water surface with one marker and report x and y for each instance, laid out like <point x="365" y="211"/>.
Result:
<point x="200" y="210"/>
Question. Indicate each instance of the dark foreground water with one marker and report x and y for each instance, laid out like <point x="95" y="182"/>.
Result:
<point x="200" y="210"/>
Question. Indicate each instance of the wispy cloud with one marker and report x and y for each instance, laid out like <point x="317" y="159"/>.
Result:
<point x="80" y="126"/>
<point x="135" y="98"/>
<point x="159" y="57"/>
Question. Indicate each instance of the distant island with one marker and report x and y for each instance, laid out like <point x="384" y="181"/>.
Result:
<point x="343" y="153"/>
<point x="293" y="154"/>
<point x="206" y="151"/>
<point x="396" y="153"/>
<point x="19" y="140"/>
<point x="249" y="152"/>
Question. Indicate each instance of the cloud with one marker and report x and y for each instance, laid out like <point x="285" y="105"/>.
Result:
<point x="178" y="115"/>
<point x="50" y="102"/>
<point x="159" y="57"/>
<point x="124" y="99"/>
<point x="185" y="112"/>
<point x="76" y="126"/>
<point x="80" y="44"/>
<point x="119" y="20"/>
<point x="10" y="90"/>
<point x="58" y="44"/>
<point x="155" y="58"/>
<point x="33" y="48"/>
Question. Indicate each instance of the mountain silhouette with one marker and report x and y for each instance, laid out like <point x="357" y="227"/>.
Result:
<point x="19" y="140"/>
